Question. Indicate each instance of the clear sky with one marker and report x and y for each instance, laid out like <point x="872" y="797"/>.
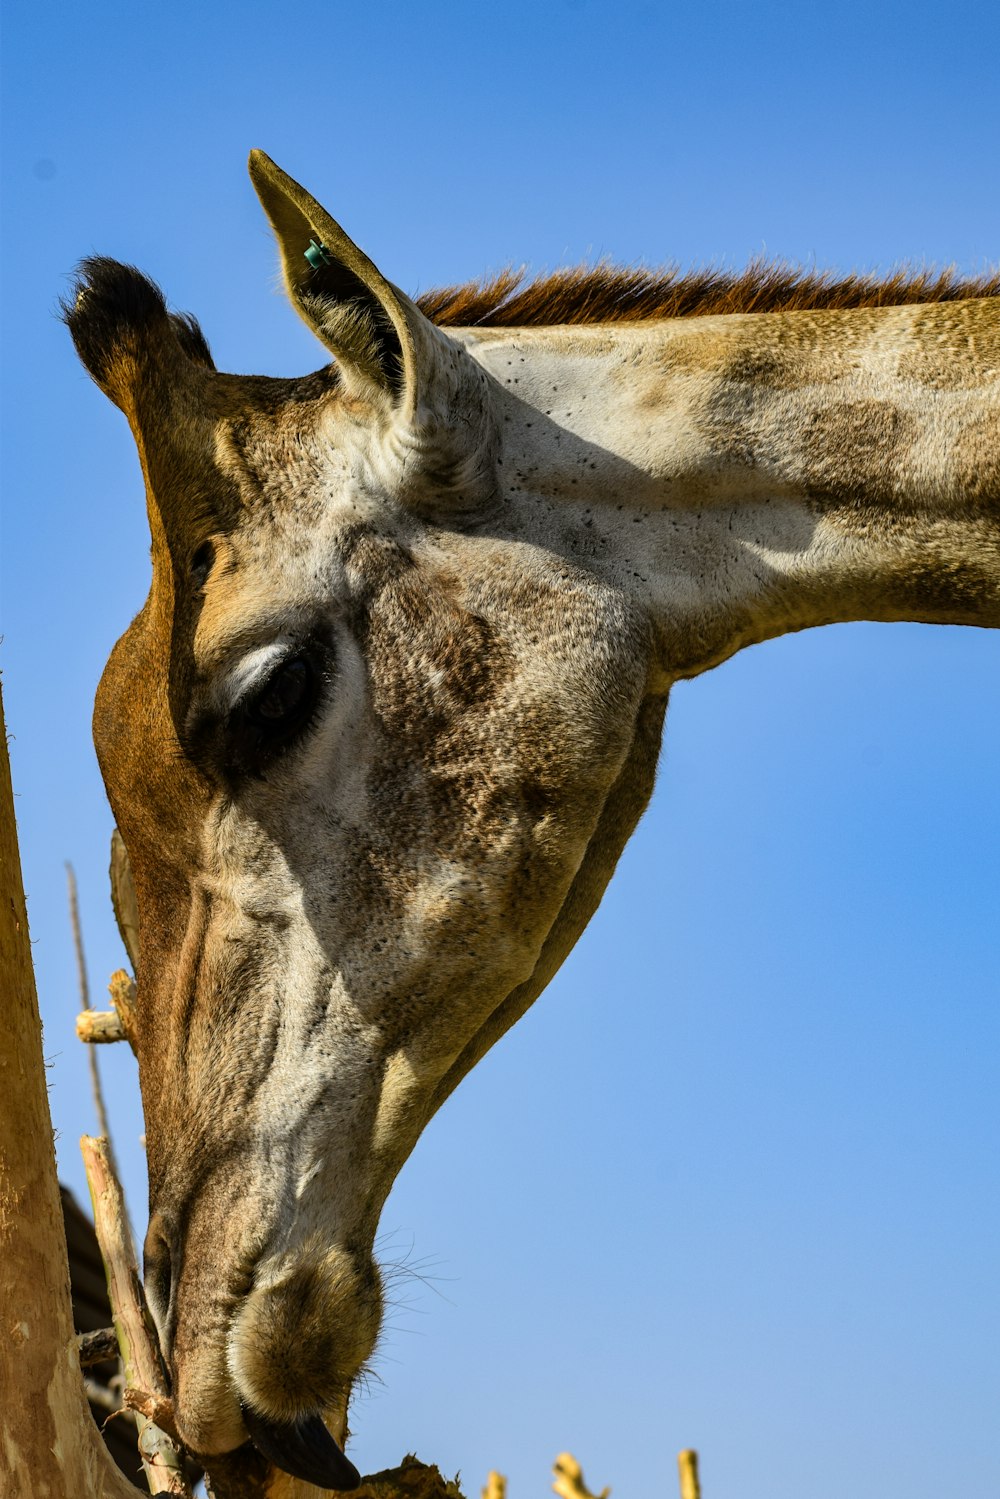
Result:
<point x="732" y="1183"/>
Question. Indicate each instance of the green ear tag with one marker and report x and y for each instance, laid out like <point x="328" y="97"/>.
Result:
<point x="317" y="255"/>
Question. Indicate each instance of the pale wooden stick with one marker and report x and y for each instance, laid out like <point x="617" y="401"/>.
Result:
<point x="136" y="1335"/>
<point x="569" y="1482"/>
<point x="97" y="1027"/>
<point x="687" y="1467"/>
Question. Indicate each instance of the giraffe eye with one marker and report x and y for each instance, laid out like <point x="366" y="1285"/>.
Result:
<point x="201" y="564"/>
<point x="284" y="700"/>
<point x="279" y="712"/>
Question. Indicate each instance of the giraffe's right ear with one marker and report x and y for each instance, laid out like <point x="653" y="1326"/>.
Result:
<point x="366" y="323"/>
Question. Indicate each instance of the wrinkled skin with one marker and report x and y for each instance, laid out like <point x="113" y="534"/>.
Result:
<point x="390" y="714"/>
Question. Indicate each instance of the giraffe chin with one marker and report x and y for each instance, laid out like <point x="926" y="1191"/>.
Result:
<point x="303" y="1448"/>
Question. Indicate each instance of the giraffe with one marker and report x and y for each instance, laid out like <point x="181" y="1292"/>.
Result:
<point x="393" y="706"/>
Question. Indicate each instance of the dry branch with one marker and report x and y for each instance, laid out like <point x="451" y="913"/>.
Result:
<point x="687" y="1467"/>
<point x="117" y="1024"/>
<point x="569" y="1482"/>
<point x="156" y="1408"/>
<point x="136" y="1337"/>
<point x="97" y="1027"/>
<point x="97" y="1347"/>
<point x="100" y="1108"/>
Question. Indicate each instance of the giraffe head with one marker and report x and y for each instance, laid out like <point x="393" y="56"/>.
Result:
<point x="361" y="744"/>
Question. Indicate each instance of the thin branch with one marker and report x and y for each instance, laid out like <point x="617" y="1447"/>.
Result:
<point x="136" y="1335"/>
<point x="74" y="918"/>
<point x="81" y="970"/>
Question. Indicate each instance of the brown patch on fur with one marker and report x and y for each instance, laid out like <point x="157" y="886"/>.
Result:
<point x="779" y="354"/>
<point x="629" y="294"/>
<point x="976" y="461"/>
<point x="463" y="661"/>
<point x="944" y="573"/>
<point x="852" y="451"/>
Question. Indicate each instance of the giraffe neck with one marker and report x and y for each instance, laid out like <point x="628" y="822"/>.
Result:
<point x="747" y="476"/>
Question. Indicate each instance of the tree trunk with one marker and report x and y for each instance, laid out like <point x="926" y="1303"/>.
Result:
<point x="49" y="1445"/>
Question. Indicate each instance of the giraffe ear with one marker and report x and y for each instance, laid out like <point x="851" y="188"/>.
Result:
<point x="364" y="321"/>
<point x="445" y="441"/>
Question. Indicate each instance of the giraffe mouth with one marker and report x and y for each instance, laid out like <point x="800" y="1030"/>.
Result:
<point x="303" y="1448"/>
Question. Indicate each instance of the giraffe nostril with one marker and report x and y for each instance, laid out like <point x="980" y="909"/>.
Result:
<point x="159" y="1275"/>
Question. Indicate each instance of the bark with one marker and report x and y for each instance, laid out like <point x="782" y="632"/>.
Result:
<point x="49" y="1445"/>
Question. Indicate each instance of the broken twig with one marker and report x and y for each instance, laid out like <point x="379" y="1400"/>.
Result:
<point x="118" y="1024"/>
<point x="97" y="1027"/>
<point x="156" y="1408"/>
<point x="569" y="1482"/>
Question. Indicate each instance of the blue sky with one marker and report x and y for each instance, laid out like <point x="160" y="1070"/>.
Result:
<point x="732" y="1183"/>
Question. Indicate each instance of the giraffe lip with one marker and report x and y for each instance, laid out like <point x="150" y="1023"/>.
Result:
<point x="304" y="1448"/>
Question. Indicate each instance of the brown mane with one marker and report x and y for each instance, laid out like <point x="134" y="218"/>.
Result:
<point x="608" y="293"/>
